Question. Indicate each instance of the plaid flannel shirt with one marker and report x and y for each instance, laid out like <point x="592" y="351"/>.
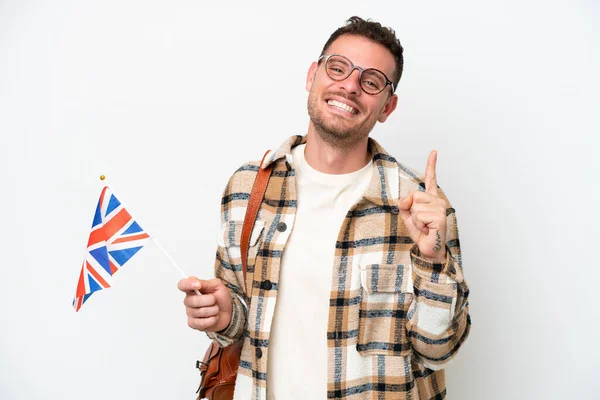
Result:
<point x="395" y="319"/>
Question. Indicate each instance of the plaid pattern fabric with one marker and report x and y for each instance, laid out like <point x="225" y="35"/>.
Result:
<point x="395" y="319"/>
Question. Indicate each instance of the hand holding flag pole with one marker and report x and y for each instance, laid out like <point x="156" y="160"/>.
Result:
<point x="115" y="237"/>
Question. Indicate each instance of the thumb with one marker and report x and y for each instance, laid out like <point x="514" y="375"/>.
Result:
<point x="404" y="204"/>
<point x="209" y="286"/>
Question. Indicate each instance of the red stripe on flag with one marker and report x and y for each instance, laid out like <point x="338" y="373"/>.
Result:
<point x="112" y="226"/>
<point x="97" y="276"/>
<point x="113" y="268"/>
<point x="102" y="199"/>
<point x="132" y="238"/>
<point x="81" y="284"/>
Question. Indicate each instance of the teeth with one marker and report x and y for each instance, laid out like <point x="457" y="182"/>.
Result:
<point x="342" y="106"/>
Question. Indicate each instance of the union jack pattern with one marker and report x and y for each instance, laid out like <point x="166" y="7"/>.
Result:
<point x="115" y="238"/>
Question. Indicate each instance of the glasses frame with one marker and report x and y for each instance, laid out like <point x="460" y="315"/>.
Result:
<point x="326" y="57"/>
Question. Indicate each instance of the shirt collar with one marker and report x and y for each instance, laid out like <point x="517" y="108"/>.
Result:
<point x="384" y="187"/>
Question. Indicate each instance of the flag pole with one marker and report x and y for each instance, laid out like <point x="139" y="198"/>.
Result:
<point x="155" y="240"/>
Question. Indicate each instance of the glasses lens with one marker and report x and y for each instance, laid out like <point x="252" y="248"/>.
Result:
<point x="338" y="68"/>
<point x="373" y="81"/>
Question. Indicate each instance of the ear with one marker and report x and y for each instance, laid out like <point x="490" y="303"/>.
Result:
<point x="388" y="108"/>
<point x="310" y="76"/>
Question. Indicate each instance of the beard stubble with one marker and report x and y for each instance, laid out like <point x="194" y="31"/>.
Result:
<point x="331" y="130"/>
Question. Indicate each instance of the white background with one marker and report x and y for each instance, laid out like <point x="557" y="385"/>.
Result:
<point x="168" y="98"/>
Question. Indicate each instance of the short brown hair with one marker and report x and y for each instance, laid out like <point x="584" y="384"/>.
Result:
<point x="375" y="32"/>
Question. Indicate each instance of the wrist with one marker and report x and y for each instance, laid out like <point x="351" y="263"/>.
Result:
<point x="439" y="258"/>
<point x="223" y="322"/>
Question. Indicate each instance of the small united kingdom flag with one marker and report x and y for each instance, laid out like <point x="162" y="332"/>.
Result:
<point x="115" y="238"/>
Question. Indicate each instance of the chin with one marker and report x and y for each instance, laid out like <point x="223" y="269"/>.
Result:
<point x="335" y="137"/>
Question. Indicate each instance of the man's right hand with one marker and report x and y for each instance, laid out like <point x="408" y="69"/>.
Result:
<point x="211" y="310"/>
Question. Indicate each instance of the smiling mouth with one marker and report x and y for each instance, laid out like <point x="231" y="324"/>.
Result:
<point x="341" y="106"/>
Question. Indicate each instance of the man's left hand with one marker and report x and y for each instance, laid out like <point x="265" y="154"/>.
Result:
<point x="424" y="214"/>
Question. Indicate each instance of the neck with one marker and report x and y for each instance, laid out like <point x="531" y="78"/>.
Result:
<point x="332" y="160"/>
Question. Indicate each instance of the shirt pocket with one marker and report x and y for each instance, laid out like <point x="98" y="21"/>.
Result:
<point x="230" y="238"/>
<point x="386" y="295"/>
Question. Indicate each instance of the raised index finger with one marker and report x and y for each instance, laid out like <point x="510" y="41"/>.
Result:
<point x="430" y="174"/>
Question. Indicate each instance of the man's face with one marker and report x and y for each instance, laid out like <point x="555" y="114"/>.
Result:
<point x="341" y="113"/>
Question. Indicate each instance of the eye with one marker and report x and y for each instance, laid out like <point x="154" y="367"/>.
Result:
<point x="371" y="84"/>
<point x="336" y="70"/>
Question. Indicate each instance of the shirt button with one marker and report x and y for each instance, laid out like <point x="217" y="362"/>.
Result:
<point x="258" y="352"/>
<point x="266" y="285"/>
<point x="281" y="227"/>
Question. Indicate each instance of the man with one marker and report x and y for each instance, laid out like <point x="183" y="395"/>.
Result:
<point x="354" y="264"/>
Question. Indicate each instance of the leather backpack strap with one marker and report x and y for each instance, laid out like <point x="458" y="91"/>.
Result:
<point x="256" y="198"/>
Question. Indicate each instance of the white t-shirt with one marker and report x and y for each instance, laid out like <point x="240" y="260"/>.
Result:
<point x="297" y="361"/>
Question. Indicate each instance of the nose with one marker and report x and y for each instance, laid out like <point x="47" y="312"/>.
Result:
<point x="352" y="83"/>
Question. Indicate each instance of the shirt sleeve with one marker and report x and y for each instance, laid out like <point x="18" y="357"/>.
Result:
<point x="226" y="271"/>
<point x="438" y="318"/>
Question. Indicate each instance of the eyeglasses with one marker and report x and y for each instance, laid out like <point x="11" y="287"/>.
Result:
<point x="372" y="81"/>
